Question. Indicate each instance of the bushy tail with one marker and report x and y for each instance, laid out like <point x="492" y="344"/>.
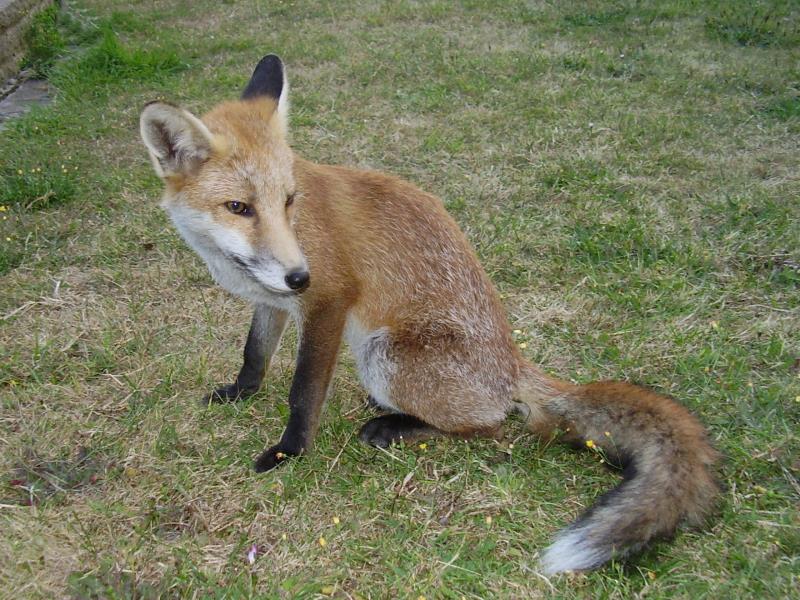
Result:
<point x="668" y="465"/>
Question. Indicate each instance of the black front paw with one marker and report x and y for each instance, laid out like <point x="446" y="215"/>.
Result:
<point x="228" y="393"/>
<point x="275" y="456"/>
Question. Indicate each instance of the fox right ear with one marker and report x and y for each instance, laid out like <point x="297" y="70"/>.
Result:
<point x="178" y="141"/>
<point x="269" y="81"/>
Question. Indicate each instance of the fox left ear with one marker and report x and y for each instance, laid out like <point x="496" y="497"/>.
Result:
<point x="178" y="141"/>
<point x="269" y="81"/>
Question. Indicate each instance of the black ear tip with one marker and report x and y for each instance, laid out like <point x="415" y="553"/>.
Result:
<point x="270" y="64"/>
<point x="267" y="79"/>
<point x="270" y="60"/>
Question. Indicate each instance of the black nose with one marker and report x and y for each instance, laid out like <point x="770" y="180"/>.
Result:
<point x="297" y="280"/>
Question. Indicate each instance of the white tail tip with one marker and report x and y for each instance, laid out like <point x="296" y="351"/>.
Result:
<point x="572" y="551"/>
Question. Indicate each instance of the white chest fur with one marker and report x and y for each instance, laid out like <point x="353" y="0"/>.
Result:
<point x="371" y="350"/>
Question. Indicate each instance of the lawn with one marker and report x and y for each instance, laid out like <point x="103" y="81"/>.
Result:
<point x="628" y="172"/>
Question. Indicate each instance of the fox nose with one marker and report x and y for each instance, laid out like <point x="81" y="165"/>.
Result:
<point x="297" y="280"/>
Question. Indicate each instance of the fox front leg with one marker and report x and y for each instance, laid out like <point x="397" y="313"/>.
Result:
<point x="316" y="360"/>
<point x="263" y="338"/>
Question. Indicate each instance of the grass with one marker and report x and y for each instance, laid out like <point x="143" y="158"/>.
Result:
<point x="627" y="172"/>
<point x="770" y="23"/>
<point x="44" y="41"/>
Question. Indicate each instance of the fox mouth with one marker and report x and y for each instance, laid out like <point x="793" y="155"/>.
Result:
<point x="244" y="266"/>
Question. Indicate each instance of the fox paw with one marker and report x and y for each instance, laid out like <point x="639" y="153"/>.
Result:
<point x="227" y="393"/>
<point x="377" y="433"/>
<point x="273" y="457"/>
<point x="392" y="429"/>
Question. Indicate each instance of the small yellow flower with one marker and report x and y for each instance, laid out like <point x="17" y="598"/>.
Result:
<point x="3" y="208"/>
<point x="283" y="537"/>
<point x="423" y="446"/>
<point x="8" y="239"/>
<point x="323" y="542"/>
<point x="38" y="169"/>
<point x="327" y="590"/>
<point x="420" y="597"/>
<point x="335" y="520"/>
<point x="607" y="433"/>
<point x="517" y="331"/>
<point x="651" y="575"/>
<point x="589" y="443"/>
<point x="707" y="370"/>
<point x="523" y="345"/>
<point x="488" y="519"/>
<point x="797" y="398"/>
<point x="19" y="171"/>
<point x="279" y="455"/>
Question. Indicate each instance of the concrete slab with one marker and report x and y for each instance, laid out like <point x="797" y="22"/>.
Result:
<point x="29" y="93"/>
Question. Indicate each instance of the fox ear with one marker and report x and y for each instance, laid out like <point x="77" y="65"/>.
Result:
<point x="178" y="141"/>
<point x="269" y="81"/>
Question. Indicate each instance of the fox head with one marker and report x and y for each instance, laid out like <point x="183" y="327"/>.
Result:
<point x="229" y="185"/>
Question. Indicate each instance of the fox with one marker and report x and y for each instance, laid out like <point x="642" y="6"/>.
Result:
<point x="370" y="259"/>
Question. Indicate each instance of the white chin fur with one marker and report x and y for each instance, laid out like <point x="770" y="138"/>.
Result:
<point x="211" y="242"/>
<point x="374" y="364"/>
<point x="271" y="276"/>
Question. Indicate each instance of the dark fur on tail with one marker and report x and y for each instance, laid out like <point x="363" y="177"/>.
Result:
<point x="668" y="466"/>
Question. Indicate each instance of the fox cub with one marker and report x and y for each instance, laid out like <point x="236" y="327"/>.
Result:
<point x="371" y="259"/>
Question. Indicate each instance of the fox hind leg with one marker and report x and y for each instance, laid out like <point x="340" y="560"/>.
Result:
<point x="391" y="429"/>
<point x="431" y="391"/>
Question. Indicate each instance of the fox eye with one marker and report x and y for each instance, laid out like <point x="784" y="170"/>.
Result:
<point x="239" y="208"/>
<point x="290" y="199"/>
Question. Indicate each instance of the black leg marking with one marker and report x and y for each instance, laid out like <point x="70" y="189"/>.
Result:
<point x="386" y="430"/>
<point x="271" y="458"/>
<point x="228" y="393"/>
<point x="316" y="360"/>
<point x="263" y="338"/>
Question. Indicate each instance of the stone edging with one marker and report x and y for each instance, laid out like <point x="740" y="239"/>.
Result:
<point x="15" y="16"/>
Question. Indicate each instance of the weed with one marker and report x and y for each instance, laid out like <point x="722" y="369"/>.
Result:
<point x="34" y="188"/>
<point x="43" y="42"/>
<point x="110" y="61"/>
<point x="784" y="108"/>
<point x="756" y="24"/>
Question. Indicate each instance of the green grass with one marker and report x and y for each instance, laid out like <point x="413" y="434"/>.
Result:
<point x="44" y="41"/>
<point x="627" y="172"/>
<point x="762" y="23"/>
